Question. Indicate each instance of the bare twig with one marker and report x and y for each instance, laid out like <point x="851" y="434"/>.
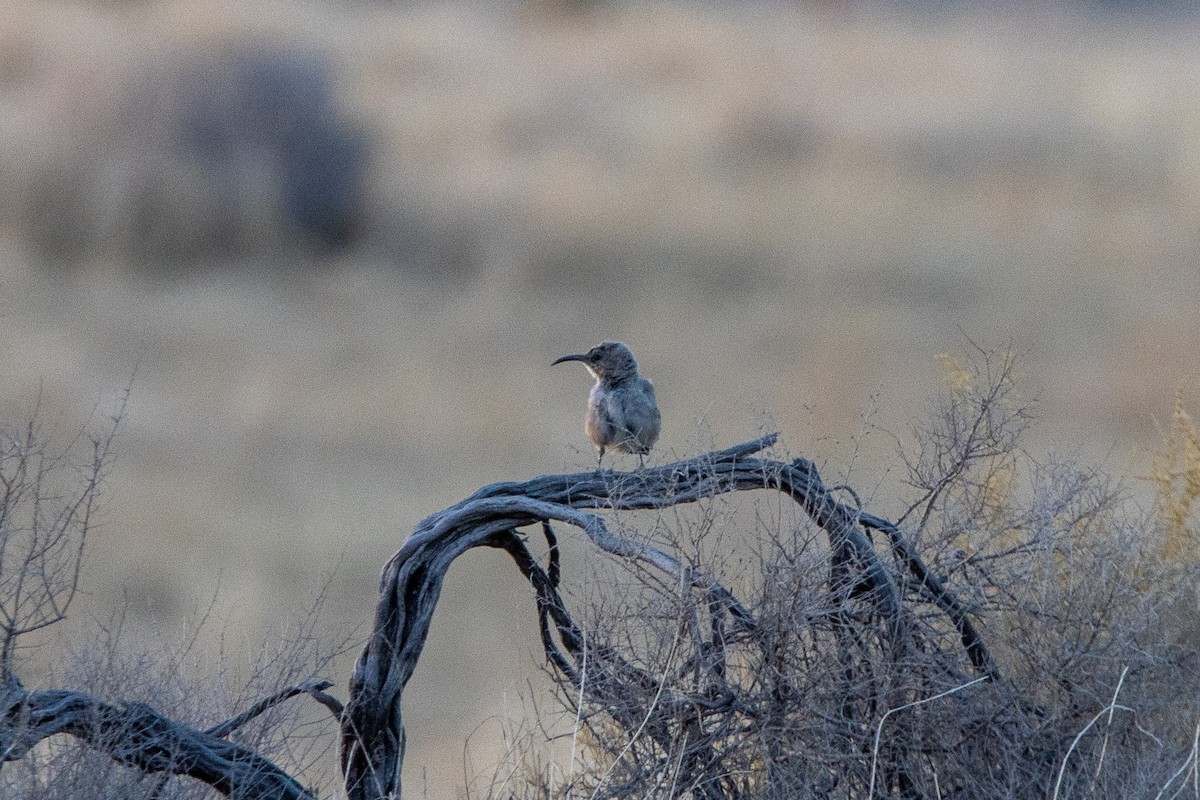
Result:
<point x="883" y="719"/>
<point x="315" y="689"/>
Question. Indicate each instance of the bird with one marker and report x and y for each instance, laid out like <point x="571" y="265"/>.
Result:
<point x="622" y="413"/>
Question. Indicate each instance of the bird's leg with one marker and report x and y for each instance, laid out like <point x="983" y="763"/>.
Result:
<point x="641" y="460"/>
<point x="600" y="461"/>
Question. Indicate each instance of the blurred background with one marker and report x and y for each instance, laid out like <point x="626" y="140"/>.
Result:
<point x="333" y="247"/>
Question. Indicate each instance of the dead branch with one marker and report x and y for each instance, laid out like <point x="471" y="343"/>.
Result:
<point x="314" y="689"/>
<point x="138" y="736"/>
<point x="372" y="726"/>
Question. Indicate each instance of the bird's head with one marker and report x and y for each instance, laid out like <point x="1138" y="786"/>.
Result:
<point x="610" y="362"/>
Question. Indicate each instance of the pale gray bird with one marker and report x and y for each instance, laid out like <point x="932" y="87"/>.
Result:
<point x="622" y="414"/>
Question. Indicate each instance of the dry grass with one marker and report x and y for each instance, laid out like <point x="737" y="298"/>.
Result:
<point x="1175" y="474"/>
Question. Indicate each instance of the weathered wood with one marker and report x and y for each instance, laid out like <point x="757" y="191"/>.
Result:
<point x="372" y="726"/>
<point x="933" y="588"/>
<point x="641" y="701"/>
<point x="137" y="735"/>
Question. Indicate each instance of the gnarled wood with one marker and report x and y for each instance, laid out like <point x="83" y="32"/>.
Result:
<point x="137" y="735"/>
<point x="372" y="727"/>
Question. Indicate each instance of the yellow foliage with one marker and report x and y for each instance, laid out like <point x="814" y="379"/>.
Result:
<point x="998" y="485"/>
<point x="1175" y="471"/>
<point x="957" y="376"/>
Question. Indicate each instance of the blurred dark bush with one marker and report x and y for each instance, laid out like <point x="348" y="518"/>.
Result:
<point x="245" y="150"/>
<point x="280" y="109"/>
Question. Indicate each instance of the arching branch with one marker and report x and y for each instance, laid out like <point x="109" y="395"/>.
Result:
<point x="372" y="727"/>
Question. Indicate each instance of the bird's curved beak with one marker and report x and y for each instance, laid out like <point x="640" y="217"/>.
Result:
<point x="582" y="358"/>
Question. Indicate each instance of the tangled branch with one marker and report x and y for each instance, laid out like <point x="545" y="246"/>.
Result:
<point x="372" y="727"/>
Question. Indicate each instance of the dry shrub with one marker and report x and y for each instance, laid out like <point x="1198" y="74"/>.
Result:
<point x="49" y="496"/>
<point x="185" y="678"/>
<point x="1059" y="569"/>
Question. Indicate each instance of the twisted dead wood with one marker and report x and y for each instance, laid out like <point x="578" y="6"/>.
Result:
<point x="372" y="727"/>
<point x="138" y="736"/>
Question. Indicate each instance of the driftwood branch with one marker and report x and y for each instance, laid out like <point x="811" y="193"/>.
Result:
<point x="372" y="726"/>
<point x="138" y="736"/>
